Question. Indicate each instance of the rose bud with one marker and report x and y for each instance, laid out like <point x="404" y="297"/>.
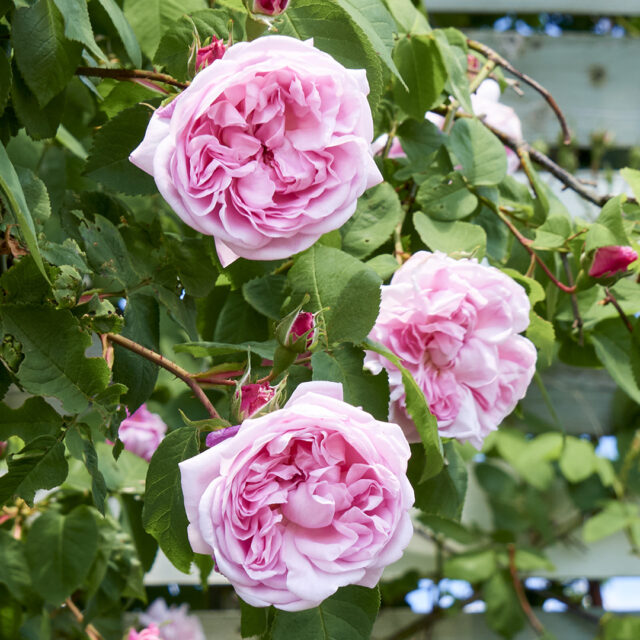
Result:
<point x="3" y="447"/>
<point x="303" y="325"/>
<point x="456" y="325"/>
<point x="173" y="621"/>
<point x="206" y="55"/>
<point x="301" y="501"/>
<point x="609" y="261"/>
<point x="253" y="397"/>
<point x="141" y="432"/>
<point x="269" y="7"/>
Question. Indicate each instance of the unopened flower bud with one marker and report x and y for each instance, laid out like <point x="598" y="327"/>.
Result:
<point x="609" y="261"/>
<point x="269" y="7"/>
<point x="302" y="325"/>
<point x="253" y="397"/>
<point x="206" y="55"/>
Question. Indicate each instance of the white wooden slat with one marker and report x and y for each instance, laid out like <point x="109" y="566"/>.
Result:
<point x="594" y="79"/>
<point x="578" y="7"/>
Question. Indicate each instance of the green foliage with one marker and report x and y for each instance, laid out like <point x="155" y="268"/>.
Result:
<point x="163" y="513"/>
<point x="348" y="614"/>
<point x="88" y="247"/>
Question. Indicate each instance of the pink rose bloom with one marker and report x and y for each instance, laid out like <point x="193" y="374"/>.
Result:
<point x="395" y="150"/>
<point x="173" y="623"/>
<point x="269" y="7"/>
<point x="254" y="396"/>
<point x="206" y="55"/>
<point x="141" y="432"/>
<point x="455" y="326"/>
<point x="608" y="261"/>
<point x="267" y="149"/>
<point x="150" y="633"/>
<point x="301" y="501"/>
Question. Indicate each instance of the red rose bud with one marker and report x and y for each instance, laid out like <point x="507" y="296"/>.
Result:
<point x="269" y="7"/>
<point x="253" y="397"/>
<point x="609" y="261"/>
<point x="301" y="325"/>
<point x="3" y="446"/>
<point x="206" y="55"/>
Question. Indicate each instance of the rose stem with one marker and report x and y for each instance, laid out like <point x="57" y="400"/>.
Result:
<point x="525" y="242"/>
<point x="172" y="367"/>
<point x="522" y="598"/>
<point x="90" y="630"/>
<point x="610" y="298"/>
<point x="127" y="74"/>
<point x="577" y="323"/>
<point x="505" y="64"/>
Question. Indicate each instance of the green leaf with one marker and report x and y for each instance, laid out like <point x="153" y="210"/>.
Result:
<point x="12" y="192"/>
<point x="446" y="199"/>
<point x="619" y="627"/>
<point x="146" y="545"/>
<point x="504" y="614"/>
<point x="361" y="389"/>
<point x="55" y="363"/>
<point x="577" y="462"/>
<point x="238" y="321"/>
<point x="253" y="620"/>
<point x="377" y="25"/>
<point x="442" y="494"/>
<point x="151" y="19"/>
<point x="266" y="294"/>
<point x="5" y="80"/>
<point x="124" y="30"/>
<point x="11" y="616"/>
<point x="98" y="485"/>
<point x="14" y="572"/>
<point x="163" y="514"/>
<point x="349" y="614"/>
<point x="418" y="411"/>
<point x="473" y="566"/>
<point x="408" y="17"/>
<point x="614" y="517"/>
<point x="614" y="348"/>
<point x="175" y="46"/>
<point x="77" y="25"/>
<point x="204" y="349"/>
<point x="455" y="61"/>
<point x="39" y="122"/>
<point x="108" y="255"/>
<point x="34" y="418"/>
<point x="481" y="154"/>
<point x="45" y="58"/>
<point x="451" y="237"/>
<point x="385" y="265"/>
<point x="39" y="465"/>
<point x="125" y="95"/>
<point x="142" y="325"/>
<point x="344" y="292"/>
<point x="632" y="177"/>
<point x="108" y="161"/>
<point x="377" y="215"/>
<point x="543" y="335"/>
<point x="420" y="140"/>
<point x="420" y="63"/>
<point x="553" y="233"/>
<point x="35" y="195"/>
<point x="608" y="229"/>
<point x="60" y="550"/>
<point x="334" y="32"/>
<point x="193" y="260"/>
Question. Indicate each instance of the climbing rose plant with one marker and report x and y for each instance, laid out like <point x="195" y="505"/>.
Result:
<point x="248" y="256"/>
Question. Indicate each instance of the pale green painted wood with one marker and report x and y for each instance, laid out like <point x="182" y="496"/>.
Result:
<point x="578" y="7"/>
<point x="594" y="79"/>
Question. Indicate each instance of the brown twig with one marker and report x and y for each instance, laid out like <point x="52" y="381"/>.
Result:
<point x="128" y="74"/>
<point x="172" y="367"/>
<point x="525" y="242"/>
<point x="90" y="630"/>
<point x="577" y="322"/>
<point x="495" y="57"/>
<point x="610" y="298"/>
<point x="569" y="180"/>
<point x="522" y="597"/>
